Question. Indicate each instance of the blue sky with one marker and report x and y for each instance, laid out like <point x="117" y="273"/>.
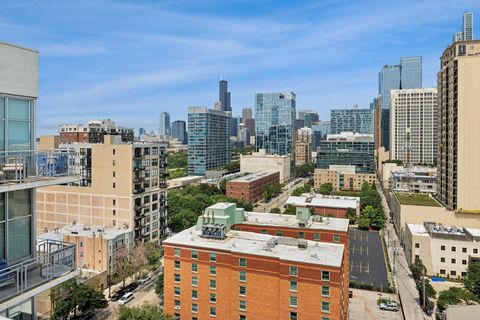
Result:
<point x="130" y="60"/>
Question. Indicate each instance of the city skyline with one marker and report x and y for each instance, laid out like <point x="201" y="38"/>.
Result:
<point x="169" y="66"/>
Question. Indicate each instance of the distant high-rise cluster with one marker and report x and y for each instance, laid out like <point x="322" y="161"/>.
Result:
<point x="164" y="128"/>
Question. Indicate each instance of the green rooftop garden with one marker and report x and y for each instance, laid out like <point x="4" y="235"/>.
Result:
<point x="416" y="199"/>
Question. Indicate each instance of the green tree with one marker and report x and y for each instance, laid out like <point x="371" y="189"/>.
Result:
<point x="275" y="210"/>
<point x="363" y="223"/>
<point x="454" y="296"/>
<point x="472" y="280"/>
<point x="177" y="160"/>
<point x="351" y="215"/>
<point x="177" y="173"/>
<point x="182" y="220"/>
<point x="159" y="285"/>
<point x="145" y="312"/>
<point x="419" y="272"/>
<point x="366" y="186"/>
<point x="233" y="166"/>
<point x="326" y="188"/>
<point x="152" y="254"/>
<point x="376" y="217"/>
<point x="290" y="210"/>
<point x="305" y="169"/>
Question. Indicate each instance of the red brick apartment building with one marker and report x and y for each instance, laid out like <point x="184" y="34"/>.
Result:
<point x="334" y="206"/>
<point x="251" y="186"/>
<point x="212" y="272"/>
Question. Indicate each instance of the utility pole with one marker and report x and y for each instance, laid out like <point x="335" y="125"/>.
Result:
<point x="423" y="285"/>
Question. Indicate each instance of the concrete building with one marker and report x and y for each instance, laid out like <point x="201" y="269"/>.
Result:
<point x="351" y="120"/>
<point x="260" y="161"/>
<point x="334" y="206"/>
<point x="25" y="264"/>
<point x="179" y="131"/>
<point x="446" y="251"/>
<point x="96" y="246"/>
<point x="413" y="126"/>
<point x="164" y="128"/>
<point x="243" y="134"/>
<point x="275" y="122"/>
<point x="414" y="179"/>
<point x="347" y="148"/>
<point x="208" y="140"/>
<point x="342" y="179"/>
<point x="303" y="146"/>
<point x="123" y="184"/>
<point x="459" y="127"/>
<point x="251" y="186"/>
<point x="94" y="131"/>
<point x="246" y="114"/>
<point x="212" y="270"/>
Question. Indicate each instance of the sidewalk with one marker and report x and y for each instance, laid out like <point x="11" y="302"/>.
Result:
<point x="406" y="287"/>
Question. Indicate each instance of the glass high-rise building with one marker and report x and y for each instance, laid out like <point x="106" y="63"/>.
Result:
<point x="467" y="29"/>
<point x="164" y="128"/>
<point x="275" y="122"/>
<point x="208" y="140"/>
<point x="224" y="96"/>
<point x="351" y="120"/>
<point x="310" y="118"/>
<point x="406" y="75"/>
<point x="179" y="130"/>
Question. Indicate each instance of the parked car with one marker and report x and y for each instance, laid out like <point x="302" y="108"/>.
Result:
<point x="389" y="306"/>
<point x="143" y="280"/>
<point x="131" y="287"/>
<point x="126" y="298"/>
<point x="117" y="295"/>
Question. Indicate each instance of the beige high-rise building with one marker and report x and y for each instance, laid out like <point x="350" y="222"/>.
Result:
<point x="458" y="156"/>
<point x="303" y="146"/>
<point x="413" y="125"/>
<point x="261" y="161"/>
<point x="123" y="185"/>
<point x="342" y="178"/>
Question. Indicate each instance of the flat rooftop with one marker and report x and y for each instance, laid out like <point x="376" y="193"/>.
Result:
<point x="290" y="221"/>
<point x="324" y="201"/>
<point x="417" y="199"/>
<point x="319" y="253"/>
<point x="81" y="230"/>
<point x="253" y="176"/>
<point x="432" y="229"/>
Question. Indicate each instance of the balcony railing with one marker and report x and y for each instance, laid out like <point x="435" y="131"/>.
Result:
<point x="30" y="166"/>
<point x="54" y="259"/>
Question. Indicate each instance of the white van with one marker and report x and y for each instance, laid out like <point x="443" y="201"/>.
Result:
<point x="126" y="298"/>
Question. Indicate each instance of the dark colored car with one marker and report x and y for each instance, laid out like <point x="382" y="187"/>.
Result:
<point x="132" y="286"/>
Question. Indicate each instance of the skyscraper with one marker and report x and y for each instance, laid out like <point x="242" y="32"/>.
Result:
<point x="467" y="29"/>
<point x="179" y="130"/>
<point x="164" y="128"/>
<point x="407" y="75"/>
<point x="234" y="126"/>
<point x="208" y="139"/>
<point x="413" y="125"/>
<point x="458" y="153"/>
<point x="141" y="131"/>
<point x="275" y="122"/>
<point x="246" y="114"/>
<point x="351" y="120"/>
<point x="303" y="112"/>
<point x="310" y="118"/>
<point x="224" y="95"/>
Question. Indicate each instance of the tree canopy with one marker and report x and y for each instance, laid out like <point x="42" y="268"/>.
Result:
<point x="145" y="312"/>
<point x="177" y="160"/>
<point x="454" y="296"/>
<point x="326" y="188"/>
<point x="472" y="280"/>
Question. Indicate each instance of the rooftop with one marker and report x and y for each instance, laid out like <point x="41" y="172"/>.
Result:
<point x="319" y="200"/>
<point x="416" y="199"/>
<point x="82" y="230"/>
<point x="285" y="220"/>
<point x="252" y="176"/>
<point x="436" y="230"/>
<point x="264" y="245"/>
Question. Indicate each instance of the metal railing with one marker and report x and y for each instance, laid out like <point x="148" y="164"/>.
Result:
<point x="22" y="166"/>
<point x="53" y="260"/>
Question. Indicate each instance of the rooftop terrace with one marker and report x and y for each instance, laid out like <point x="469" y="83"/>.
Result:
<point x="416" y="199"/>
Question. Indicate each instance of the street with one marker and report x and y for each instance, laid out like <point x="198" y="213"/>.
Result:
<point x="279" y="201"/>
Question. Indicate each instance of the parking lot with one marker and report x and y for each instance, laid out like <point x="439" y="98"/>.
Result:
<point x="367" y="261"/>
<point x="363" y="305"/>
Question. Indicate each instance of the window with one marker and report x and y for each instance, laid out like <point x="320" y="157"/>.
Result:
<point x="293" y="301"/>
<point x="194" y="254"/>
<point x="213" y="284"/>
<point x="213" y="257"/>
<point x="213" y="312"/>
<point x="454" y="249"/>
<point x="325" y="318"/>
<point x="294" y="271"/>
<point x="264" y="231"/>
<point x="475" y="250"/>
<point x="453" y="273"/>
<point x="213" y="270"/>
<point x="293" y="316"/>
<point x="293" y="285"/>
<point x="194" y="294"/>
<point x="325" y="275"/>
<point x="177" y="304"/>
<point x="243" y="305"/>
<point x="417" y="245"/>
<point x="113" y="163"/>
<point x="194" y="281"/>
<point x="194" y="307"/>
<point x="336" y="238"/>
<point x="176" y="291"/>
<point x="242" y="262"/>
<point x="242" y="290"/>
<point x="464" y="261"/>
<point x="114" y="185"/>
<point x="242" y="317"/>
<point x="113" y="174"/>
<point x="442" y="248"/>
<point x="301" y="235"/>
<point x="442" y="259"/>
<point x="176" y="252"/>
<point x="325" y="307"/>
<point x="316" y="236"/>
<point x="114" y="212"/>
<point x="454" y="261"/>
<point x="325" y="291"/>
<point x="194" y="267"/>
<point x="442" y="271"/>
<point x="417" y="257"/>
<point x="213" y="298"/>
<point x="113" y="151"/>
<point x="177" y="277"/>
<point x="279" y="233"/>
<point x="177" y="264"/>
<point x="114" y="202"/>
<point x="464" y="250"/>
<point x="242" y="276"/>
